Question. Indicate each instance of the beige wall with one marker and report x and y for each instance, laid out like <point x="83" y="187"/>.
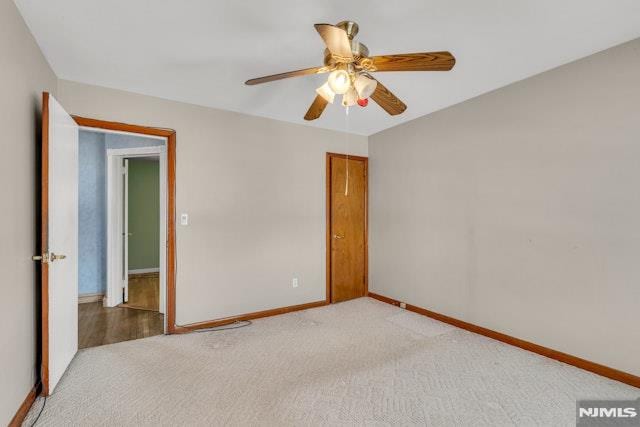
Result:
<point x="24" y="74"/>
<point x="519" y="210"/>
<point x="254" y="190"/>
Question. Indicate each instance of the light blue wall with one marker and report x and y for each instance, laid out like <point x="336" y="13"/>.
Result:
<point x="92" y="216"/>
<point x="92" y="205"/>
<point x="116" y="140"/>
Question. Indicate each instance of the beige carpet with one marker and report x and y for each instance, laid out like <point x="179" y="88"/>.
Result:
<point x="361" y="362"/>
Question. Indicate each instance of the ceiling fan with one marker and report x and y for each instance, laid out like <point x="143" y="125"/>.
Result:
<point x="350" y="65"/>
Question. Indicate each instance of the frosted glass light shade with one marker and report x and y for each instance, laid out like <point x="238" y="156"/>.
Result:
<point x="339" y="81"/>
<point x="326" y="92"/>
<point x="350" y="98"/>
<point x="365" y="86"/>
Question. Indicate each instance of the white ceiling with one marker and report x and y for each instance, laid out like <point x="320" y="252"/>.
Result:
<point x="201" y="51"/>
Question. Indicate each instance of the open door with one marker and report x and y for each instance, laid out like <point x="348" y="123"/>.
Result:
<point x="59" y="241"/>
<point x="125" y="233"/>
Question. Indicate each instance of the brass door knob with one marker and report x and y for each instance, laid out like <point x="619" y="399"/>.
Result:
<point x="54" y="257"/>
<point x="336" y="236"/>
<point x="47" y="257"/>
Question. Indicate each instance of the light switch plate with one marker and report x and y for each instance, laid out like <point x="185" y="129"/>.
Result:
<point x="184" y="219"/>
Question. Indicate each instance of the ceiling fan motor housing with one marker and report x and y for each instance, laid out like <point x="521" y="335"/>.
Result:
<point x="349" y="27"/>
<point x="359" y="50"/>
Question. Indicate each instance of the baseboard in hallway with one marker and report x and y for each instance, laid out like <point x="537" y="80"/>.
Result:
<point x="144" y="271"/>
<point x="86" y="298"/>
<point x="569" y="359"/>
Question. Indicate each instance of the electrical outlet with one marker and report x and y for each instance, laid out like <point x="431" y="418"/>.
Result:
<point x="294" y="282"/>
<point x="403" y="305"/>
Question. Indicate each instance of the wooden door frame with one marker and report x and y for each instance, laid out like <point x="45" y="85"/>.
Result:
<point x="44" y="246"/>
<point x="170" y="135"/>
<point x="328" y="158"/>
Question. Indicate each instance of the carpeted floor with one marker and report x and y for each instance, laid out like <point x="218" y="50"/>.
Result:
<point x="361" y="362"/>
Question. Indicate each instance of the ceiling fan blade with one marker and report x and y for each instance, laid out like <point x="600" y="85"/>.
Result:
<point x="426" y="61"/>
<point x="387" y="100"/>
<point x="316" y="108"/>
<point x="336" y="40"/>
<point x="296" y="73"/>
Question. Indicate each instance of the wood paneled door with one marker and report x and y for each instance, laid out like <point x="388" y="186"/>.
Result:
<point x="346" y="227"/>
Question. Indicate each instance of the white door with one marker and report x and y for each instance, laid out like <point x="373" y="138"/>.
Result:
<point x="59" y="241"/>
<point x="125" y="233"/>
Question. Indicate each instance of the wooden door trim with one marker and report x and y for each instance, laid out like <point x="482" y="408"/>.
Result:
<point x="170" y="134"/>
<point x="44" y="245"/>
<point x="328" y="158"/>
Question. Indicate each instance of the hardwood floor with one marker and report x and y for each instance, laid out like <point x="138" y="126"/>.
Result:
<point x="144" y="291"/>
<point x="98" y="325"/>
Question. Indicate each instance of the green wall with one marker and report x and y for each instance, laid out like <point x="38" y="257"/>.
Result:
<point x="144" y="214"/>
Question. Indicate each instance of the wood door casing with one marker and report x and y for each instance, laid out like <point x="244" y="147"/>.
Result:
<point x="170" y="134"/>
<point x="346" y="227"/>
<point x="44" y="246"/>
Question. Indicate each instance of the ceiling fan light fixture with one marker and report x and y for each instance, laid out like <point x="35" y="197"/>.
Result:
<point x="339" y="81"/>
<point x="349" y="65"/>
<point x="350" y="98"/>
<point x="326" y="92"/>
<point x="365" y="86"/>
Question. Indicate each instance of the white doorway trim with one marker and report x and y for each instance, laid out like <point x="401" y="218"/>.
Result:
<point x="115" y="222"/>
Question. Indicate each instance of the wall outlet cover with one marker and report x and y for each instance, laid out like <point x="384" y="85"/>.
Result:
<point x="294" y="282"/>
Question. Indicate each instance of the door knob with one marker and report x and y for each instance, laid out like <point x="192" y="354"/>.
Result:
<point x="336" y="236"/>
<point x="47" y="257"/>
<point x="54" y="257"/>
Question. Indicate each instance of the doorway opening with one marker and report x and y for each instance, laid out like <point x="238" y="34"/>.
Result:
<point x="140" y="238"/>
<point x="122" y="230"/>
<point x="347" y="222"/>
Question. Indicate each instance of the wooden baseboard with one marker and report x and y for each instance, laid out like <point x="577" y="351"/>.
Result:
<point x="144" y="271"/>
<point x="23" y="410"/>
<point x="587" y="365"/>
<point x="143" y="275"/>
<point x="85" y="298"/>
<point x="248" y="316"/>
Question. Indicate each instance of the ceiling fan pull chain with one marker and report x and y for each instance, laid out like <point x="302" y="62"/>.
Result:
<point x="346" y="183"/>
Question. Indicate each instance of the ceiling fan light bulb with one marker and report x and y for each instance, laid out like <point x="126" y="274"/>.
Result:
<point x="365" y="86"/>
<point x="326" y="92"/>
<point x="350" y="98"/>
<point x="339" y="81"/>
